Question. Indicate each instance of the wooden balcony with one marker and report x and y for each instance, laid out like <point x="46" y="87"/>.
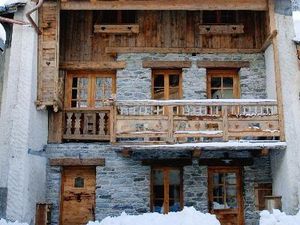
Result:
<point x="178" y="121"/>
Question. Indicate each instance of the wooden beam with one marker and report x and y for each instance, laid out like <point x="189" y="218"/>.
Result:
<point x="226" y="162"/>
<point x="278" y="81"/>
<point x="77" y="162"/>
<point x="74" y="65"/>
<point x="221" y="29"/>
<point x="167" y="64"/>
<point x="114" y="50"/>
<point x="167" y="162"/>
<point x="196" y="153"/>
<point x="269" y="40"/>
<point x="117" y="29"/>
<point x="223" y="64"/>
<point x="55" y="127"/>
<point x="257" y="5"/>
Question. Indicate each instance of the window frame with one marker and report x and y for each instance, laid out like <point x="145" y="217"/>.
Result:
<point x="166" y="73"/>
<point x="91" y="75"/>
<point x="165" y="170"/>
<point x="224" y="73"/>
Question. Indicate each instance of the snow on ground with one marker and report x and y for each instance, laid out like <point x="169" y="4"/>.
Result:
<point x="4" y="222"/>
<point x="188" y="216"/>
<point x="278" y="218"/>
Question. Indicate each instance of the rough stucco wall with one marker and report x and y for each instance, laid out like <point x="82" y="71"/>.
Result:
<point x="22" y="128"/>
<point x="134" y="82"/>
<point x="285" y="165"/>
<point x="270" y="77"/>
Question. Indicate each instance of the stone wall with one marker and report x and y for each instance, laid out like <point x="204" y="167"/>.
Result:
<point x="123" y="180"/>
<point x="134" y="82"/>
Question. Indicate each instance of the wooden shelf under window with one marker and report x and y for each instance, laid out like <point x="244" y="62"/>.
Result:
<point x="117" y="29"/>
<point x="221" y="29"/>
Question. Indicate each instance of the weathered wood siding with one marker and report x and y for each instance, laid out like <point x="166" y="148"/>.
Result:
<point x="157" y="29"/>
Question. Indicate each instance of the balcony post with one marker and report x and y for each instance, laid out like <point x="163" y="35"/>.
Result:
<point x="113" y="123"/>
<point x="171" y="130"/>
<point x="225" y="122"/>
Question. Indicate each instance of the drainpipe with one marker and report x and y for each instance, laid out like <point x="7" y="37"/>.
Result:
<point x="23" y="23"/>
<point x="35" y="26"/>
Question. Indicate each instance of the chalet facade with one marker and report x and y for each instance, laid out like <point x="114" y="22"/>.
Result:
<point x="150" y="106"/>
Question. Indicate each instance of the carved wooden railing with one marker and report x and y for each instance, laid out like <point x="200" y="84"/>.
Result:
<point x="178" y="121"/>
<point x="88" y="124"/>
<point x="195" y="121"/>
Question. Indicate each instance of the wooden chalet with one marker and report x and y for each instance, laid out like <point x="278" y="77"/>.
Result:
<point x="178" y="87"/>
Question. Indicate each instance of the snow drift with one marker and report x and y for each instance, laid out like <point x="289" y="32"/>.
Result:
<point x="4" y="222"/>
<point x="188" y="216"/>
<point x="278" y="218"/>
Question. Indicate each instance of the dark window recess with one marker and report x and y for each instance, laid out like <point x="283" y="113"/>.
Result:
<point x="219" y="17"/>
<point x="116" y="17"/>
<point x="79" y="182"/>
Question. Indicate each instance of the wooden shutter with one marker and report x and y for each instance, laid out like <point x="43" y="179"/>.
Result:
<point x="49" y="83"/>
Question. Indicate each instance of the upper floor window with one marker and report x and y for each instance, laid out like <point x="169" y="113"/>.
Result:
<point x="89" y="89"/>
<point x="219" y="17"/>
<point x="223" y="84"/>
<point x="117" y="17"/>
<point x="166" y="189"/>
<point x="166" y="84"/>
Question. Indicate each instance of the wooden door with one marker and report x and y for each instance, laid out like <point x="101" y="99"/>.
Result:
<point x="78" y="195"/>
<point x="225" y="194"/>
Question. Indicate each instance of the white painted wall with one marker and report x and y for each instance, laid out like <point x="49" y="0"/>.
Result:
<point x="285" y="165"/>
<point x="22" y="127"/>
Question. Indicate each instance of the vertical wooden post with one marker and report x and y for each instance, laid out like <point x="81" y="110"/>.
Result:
<point x="113" y="123"/>
<point x="170" y="124"/>
<point x="225" y="122"/>
<point x="272" y="21"/>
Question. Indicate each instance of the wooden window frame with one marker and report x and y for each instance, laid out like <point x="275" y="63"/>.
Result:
<point x="165" y="170"/>
<point x="166" y="73"/>
<point x="224" y="73"/>
<point x="91" y="75"/>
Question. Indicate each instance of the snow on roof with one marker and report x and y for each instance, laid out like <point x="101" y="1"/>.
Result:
<point x="296" y="18"/>
<point x="2" y="33"/>
<point x="188" y="216"/>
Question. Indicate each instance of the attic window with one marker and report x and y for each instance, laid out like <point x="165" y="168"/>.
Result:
<point x="219" y="17"/>
<point x="117" y="17"/>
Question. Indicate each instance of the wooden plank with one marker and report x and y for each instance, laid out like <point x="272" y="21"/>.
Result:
<point x="80" y="65"/>
<point x="77" y="162"/>
<point x="55" y="131"/>
<point x="223" y="64"/>
<point x="221" y="29"/>
<point x="278" y="81"/>
<point x="114" y="50"/>
<point x="117" y="29"/>
<point x="167" y="64"/>
<point x="42" y="212"/>
<point x="48" y="48"/>
<point x="257" y="5"/>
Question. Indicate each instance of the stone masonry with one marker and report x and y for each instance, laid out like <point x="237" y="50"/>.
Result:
<point x="123" y="184"/>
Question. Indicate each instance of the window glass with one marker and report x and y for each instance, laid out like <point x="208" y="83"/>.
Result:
<point x="103" y="90"/>
<point x="159" y="86"/>
<point x="174" y="86"/>
<point x="79" y="182"/>
<point x="224" y="191"/>
<point x="166" y="180"/>
<point x="79" y="92"/>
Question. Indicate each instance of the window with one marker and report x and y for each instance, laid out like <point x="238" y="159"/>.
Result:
<point x="222" y="84"/>
<point x="117" y="17"/>
<point x="89" y="89"/>
<point x="219" y="17"/>
<point x="166" y="84"/>
<point x="79" y="182"/>
<point x="166" y="189"/>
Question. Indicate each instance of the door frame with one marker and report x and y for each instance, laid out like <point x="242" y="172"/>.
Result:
<point x="240" y="197"/>
<point x="62" y="188"/>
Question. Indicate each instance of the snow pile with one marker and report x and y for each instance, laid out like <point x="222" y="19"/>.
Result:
<point x="278" y="218"/>
<point x="4" y="222"/>
<point x="188" y="216"/>
<point x="6" y="3"/>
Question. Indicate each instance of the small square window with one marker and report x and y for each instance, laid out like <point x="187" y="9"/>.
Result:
<point x="79" y="182"/>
